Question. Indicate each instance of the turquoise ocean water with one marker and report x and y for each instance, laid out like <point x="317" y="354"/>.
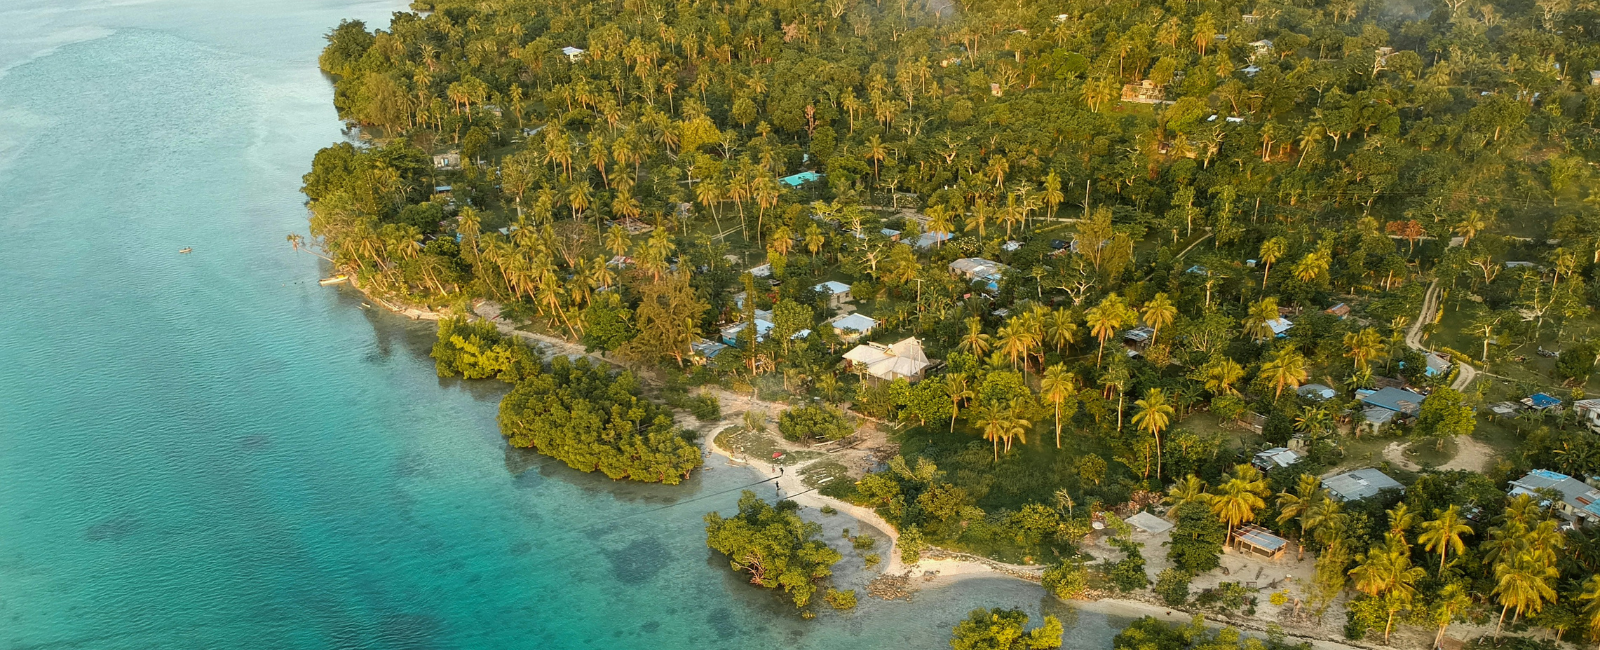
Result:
<point x="211" y="451"/>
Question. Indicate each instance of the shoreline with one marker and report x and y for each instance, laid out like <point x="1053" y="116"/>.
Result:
<point x="946" y="571"/>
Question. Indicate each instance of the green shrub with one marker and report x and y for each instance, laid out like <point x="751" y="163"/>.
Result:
<point x="872" y="559"/>
<point x="476" y="350"/>
<point x="705" y="407"/>
<point x="773" y="544"/>
<point x="1128" y="573"/>
<point x="841" y="599"/>
<point x="814" y="422"/>
<point x="863" y="542"/>
<point x="1066" y="580"/>
<point x="1172" y="586"/>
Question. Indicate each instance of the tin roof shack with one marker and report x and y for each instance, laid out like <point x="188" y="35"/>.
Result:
<point x="1275" y="458"/>
<point x="1541" y="401"/>
<point x="1399" y="400"/>
<point x="1316" y="392"/>
<point x="979" y="269"/>
<point x="1144" y="92"/>
<point x="447" y="160"/>
<point x="850" y="327"/>
<point x="1588" y="411"/>
<point x="1360" y="484"/>
<point x="574" y="54"/>
<point x="1576" y="500"/>
<point x="1258" y="541"/>
<point x="903" y="360"/>
<point x="1149" y="523"/>
<point x="1137" y="338"/>
<point x="1438" y="364"/>
<point x="837" y="292"/>
<point x="1341" y="310"/>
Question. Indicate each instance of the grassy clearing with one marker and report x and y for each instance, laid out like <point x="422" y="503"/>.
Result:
<point x="824" y="473"/>
<point x="760" y="446"/>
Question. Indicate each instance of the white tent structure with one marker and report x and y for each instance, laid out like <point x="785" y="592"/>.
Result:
<point x="901" y="360"/>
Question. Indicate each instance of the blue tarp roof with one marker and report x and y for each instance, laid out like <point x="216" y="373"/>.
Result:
<point x="1543" y="401"/>
<point x="800" y="179"/>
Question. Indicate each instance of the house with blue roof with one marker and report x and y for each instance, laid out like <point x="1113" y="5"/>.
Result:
<point x="1576" y="500"/>
<point x="1398" y="400"/>
<point x="800" y="179"/>
<point x="1541" y="401"/>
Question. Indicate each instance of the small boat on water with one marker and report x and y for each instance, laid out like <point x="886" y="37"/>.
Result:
<point x="333" y="280"/>
<point x="186" y="249"/>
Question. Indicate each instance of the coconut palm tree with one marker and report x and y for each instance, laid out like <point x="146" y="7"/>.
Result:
<point x="1060" y="329"/>
<point x="994" y="423"/>
<point x="1591" y="608"/>
<point x="1386" y="572"/>
<point x="1014" y="341"/>
<point x="1153" y="417"/>
<point x="617" y="241"/>
<point x="1522" y="582"/>
<point x="1105" y="319"/>
<point x="1364" y="346"/>
<point x="1286" y="368"/>
<point x="975" y="342"/>
<point x="1401" y="519"/>
<point x="1014" y="426"/>
<point x="957" y="389"/>
<point x="1189" y="489"/>
<point x="1444" y="532"/>
<point x="1258" y="324"/>
<point x="1220" y="374"/>
<point x="1450" y="603"/>
<point x="1056" y="387"/>
<point x="1237" y="499"/>
<point x="1159" y="312"/>
<point x="1300" y="504"/>
<point x="1272" y="250"/>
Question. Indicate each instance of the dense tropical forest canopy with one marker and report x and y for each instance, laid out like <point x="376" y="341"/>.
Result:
<point x="1205" y="228"/>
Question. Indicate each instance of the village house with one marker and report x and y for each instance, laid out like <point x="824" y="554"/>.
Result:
<point x="573" y="54"/>
<point x="1317" y="392"/>
<point x="903" y="360"/>
<point x="1387" y="404"/>
<point x="837" y="293"/>
<point x="1260" y="542"/>
<point x="1144" y="92"/>
<point x="1359" y="484"/>
<point x="1588" y="411"/>
<point x="850" y="327"/>
<point x="1577" y="501"/>
<point x="979" y="269"/>
<point x="448" y="160"/>
<point x="1274" y="458"/>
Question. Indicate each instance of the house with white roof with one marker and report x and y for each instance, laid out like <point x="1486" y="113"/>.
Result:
<point x="850" y="327"/>
<point x="836" y="292"/>
<point x="573" y="54"/>
<point x="903" y="360"/>
<point x="1359" y="484"/>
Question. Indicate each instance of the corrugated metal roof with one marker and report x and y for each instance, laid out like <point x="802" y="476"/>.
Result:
<point x="1260" y="538"/>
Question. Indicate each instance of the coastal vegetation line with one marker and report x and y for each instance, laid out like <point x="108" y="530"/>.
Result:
<point x="1090" y="260"/>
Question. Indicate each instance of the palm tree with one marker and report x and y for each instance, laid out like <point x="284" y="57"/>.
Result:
<point x="1452" y="600"/>
<point x="1159" y="312"/>
<point x="1286" y="368"/>
<point x="1189" y="489"/>
<point x="617" y="240"/>
<point x="1444" y="532"/>
<point x="1013" y="341"/>
<point x="994" y="424"/>
<point x="939" y="224"/>
<point x="1221" y="374"/>
<point x="975" y="342"/>
<point x="1386" y="571"/>
<point x="956" y="388"/>
<point x="1258" y="324"/>
<point x="1300" y="504"/>
<point x="1401" y="519"/>
<point x="1013" y="425"/>
<point x="1060" y="329"/>
<point x="1364" y="346"/>
<point x="1105" y="319"/>
<point x="1591" y="609"/>
<point x="1523" y="582"/>
<point x="876" y="152"/>
<point x="1272" y="250"/>
<point x="1056" y="387"/>
<point x="1238" y="498"/>
<point x="1153" y="417"/>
